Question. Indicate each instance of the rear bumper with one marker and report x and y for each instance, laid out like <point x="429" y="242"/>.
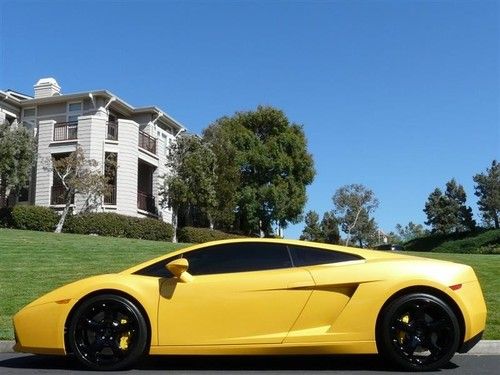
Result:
<point x="469" y="344"/>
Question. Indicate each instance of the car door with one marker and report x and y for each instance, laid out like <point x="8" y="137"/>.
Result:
<point x="241" y="293"/>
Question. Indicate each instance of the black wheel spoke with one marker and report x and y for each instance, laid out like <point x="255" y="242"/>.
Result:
<point x="423" y="332"/>
<point x="108" y="333"/>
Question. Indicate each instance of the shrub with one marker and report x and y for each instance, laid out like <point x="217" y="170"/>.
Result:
<point x="114" y="225"/>
<point x="34" y="218"/>
<point x="6" y="217"/>
<point x="156" y="230"/>
<point x="200" y="235"/>
<point x="477" y="242"/>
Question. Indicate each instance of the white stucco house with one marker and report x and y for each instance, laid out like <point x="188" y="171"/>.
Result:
<point x="105" y="126"/>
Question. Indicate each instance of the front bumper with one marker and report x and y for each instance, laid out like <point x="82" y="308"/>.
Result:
<point x="40" y="329"/>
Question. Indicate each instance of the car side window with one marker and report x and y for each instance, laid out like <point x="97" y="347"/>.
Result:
<point x="309" y="256"/>
<point x="157" y="269"/>
<point x="238" y="257"/>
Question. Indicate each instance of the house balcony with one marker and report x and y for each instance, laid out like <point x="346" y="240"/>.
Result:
<point x="110" y="196"/>
<point x="147" y="142"/>
<point x="65" y="131"/>
<point x="112" y="131"/>
<point x="146" y="202"/>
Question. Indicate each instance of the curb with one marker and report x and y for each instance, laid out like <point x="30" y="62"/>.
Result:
<point x="483" y="347"/>
<point x="486" y="347"/>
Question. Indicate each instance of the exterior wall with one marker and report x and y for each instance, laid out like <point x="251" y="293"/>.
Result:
<point x="126" y="176"/>
<point x="91" y="135"/>
<point x="142" y="118"/>
<point x="159" y="178"/>
<point x="43" y="172"/>
<point x="51" y="109"/>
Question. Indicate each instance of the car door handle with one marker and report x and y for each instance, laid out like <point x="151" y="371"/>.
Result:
<point x="300" y="284"/>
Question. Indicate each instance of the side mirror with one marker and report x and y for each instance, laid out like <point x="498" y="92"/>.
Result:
<point x="179" y="267"/>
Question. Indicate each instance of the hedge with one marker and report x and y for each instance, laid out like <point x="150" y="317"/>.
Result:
<point x="114" y="225"/>
<point x="200" y="235"/>
<point x="481" y="241"/>
<point x="33" y="218"/>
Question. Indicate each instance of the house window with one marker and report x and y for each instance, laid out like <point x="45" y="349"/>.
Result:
<point x="74" y="111"/>
<point x="29" y="118"/>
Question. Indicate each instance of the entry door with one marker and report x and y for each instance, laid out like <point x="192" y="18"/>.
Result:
<point x="254" y="307"/>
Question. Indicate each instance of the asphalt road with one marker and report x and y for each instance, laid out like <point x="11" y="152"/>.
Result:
<point x="15" y="363"/>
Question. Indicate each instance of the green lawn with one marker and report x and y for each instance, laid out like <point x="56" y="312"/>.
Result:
<point x="33" y="263"/>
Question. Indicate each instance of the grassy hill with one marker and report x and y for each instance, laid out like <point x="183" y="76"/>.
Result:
<point x="479" y="242"/>
<point x="33" y="263"/>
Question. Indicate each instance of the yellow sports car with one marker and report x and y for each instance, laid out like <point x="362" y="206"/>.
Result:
<point x="256" y="297"/>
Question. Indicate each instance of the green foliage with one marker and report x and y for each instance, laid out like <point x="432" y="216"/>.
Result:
<point x="330" y="228"/>
<point x="34" y="218"/>
<point x="353" y="205"/>
<point x="201" y="235"/>
<point x="477" y="242"/>
<point x="6" y="217"/>
<point x="488" y="191"/>
<point x="17" y="151"/>
<point x="326" y="232"/>
<point x="312" y="230"/>
<point x="410" y="231"/>
<point x="447" y="212"/>
<point x="192" y="180"/>
<point x="114" y="225"/>
<point x="263" y="168"/>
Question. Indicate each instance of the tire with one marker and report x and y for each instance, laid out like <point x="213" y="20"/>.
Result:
<point x="107" y="332"/>
<point x="418" y="332"/>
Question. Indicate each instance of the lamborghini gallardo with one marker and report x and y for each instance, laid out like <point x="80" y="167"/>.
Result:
<point x="260" y="297"/>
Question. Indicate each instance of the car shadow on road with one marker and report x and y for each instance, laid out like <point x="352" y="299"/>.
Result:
<point x="368" y="363"/>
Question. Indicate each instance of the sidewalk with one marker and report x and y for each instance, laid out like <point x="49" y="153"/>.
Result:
<point x="484" y="347"/>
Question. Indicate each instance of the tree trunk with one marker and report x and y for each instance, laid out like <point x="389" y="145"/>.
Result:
<point x="210" y="221"/>
<point x="60" y="224"/>
<point x="495" y="218"/>
<point x="3" y="191"/>
<point x="174" y="224"/>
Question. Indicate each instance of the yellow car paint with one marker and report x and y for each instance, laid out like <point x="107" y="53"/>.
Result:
<point x="302" y="310"/>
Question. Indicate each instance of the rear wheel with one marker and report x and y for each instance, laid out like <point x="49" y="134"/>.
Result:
<point x="418" y="332"/>
<point x="107" y="332"/>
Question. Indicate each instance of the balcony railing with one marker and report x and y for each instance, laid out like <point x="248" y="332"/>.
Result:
<point x="147" y="142"/>
<point x="110" y="196"/>
<point x="57" y="195"/>
<point x="112" y="131"/>
<point x="146" y="202"/>
<point x="65" y="130"/>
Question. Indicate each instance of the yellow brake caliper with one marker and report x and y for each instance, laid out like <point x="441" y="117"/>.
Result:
<point x="125" y="336"/>
<point x="402" y="334"/>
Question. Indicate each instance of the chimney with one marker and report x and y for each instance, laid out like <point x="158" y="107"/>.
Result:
<point x="46" y="87"/>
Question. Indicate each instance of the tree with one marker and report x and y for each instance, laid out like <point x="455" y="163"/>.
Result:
<point x="487" y="189"/>
<point x="410" y="231"/>
<point x="263" y="168"/>
<point x="192" y="179"/>
<point x="78" y="175"/>
<point x="330" y="228"/>
<point x="312" y="231"/>
<point x="447" y="212"/>
<point x="353" y="205"/>
<point x="16" y="158"/>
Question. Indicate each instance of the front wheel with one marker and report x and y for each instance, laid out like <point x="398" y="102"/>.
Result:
<point x="107" y="332"/>
<point x="418" y="332"/>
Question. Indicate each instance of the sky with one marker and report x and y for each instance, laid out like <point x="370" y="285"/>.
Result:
<point x="400" y="96"/>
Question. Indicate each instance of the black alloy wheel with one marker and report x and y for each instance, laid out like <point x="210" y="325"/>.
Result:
<point x="418" y="332"/>
<point x="107" y="332"/>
